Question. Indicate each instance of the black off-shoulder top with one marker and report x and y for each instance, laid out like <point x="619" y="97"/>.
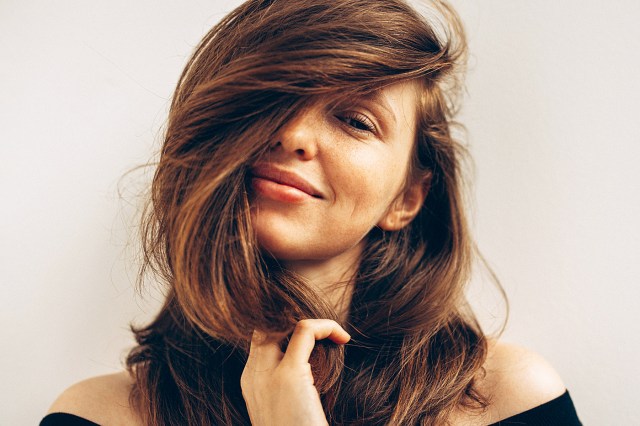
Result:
<point x="557" y="412"/>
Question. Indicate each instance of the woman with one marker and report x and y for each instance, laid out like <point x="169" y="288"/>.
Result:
<point x="306" y="215"/>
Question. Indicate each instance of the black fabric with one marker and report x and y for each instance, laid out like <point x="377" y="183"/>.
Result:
<point x="64" y="419"/>
<point x="557" y="412"/>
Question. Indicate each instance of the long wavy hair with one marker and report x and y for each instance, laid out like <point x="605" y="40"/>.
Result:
<point x="416" y="349"/>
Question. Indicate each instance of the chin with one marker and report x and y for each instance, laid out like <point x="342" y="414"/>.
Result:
<point x="286" y="250"/>
<point x="278" y="249"/>
<point x="280" y="239"/>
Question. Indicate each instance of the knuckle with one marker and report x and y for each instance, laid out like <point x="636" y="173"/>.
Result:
<point x="305" y="324"/>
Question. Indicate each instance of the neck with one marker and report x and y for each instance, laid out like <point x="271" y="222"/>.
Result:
<point x="332" y="278"/>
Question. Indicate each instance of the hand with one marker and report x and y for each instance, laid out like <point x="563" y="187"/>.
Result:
<point x="278" y="387"/>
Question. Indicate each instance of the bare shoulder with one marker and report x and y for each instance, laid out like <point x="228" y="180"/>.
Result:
<point x="101" y="399"/>
<point x="516" y="380"/>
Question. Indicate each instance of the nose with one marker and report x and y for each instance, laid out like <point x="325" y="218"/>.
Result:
<point x="300" y="135"/>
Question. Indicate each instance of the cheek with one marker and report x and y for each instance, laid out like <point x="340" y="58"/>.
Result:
<point x="366" y="193"/>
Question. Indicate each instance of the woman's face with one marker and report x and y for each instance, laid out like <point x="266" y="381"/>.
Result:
<point x="333" y="175"/>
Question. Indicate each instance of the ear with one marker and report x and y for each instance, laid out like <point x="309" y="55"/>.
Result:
<point x="406" y="205"/>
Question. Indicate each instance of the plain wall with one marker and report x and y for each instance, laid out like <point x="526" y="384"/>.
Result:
<point x="551" y="110"/>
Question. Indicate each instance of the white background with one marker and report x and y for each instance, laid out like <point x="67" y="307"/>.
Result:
<point x="552" y="113"/>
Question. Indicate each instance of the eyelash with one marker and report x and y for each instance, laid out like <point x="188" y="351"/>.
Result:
<point x="366" y="126"/>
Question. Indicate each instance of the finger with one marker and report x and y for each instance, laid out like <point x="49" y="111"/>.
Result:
<point x="264" y="353"/>
<point x="305" y="335"/>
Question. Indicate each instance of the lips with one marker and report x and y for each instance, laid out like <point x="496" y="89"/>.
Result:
<point x="284" y="177"/>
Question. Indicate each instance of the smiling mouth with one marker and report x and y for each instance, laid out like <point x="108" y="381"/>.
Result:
<point x="282" y="185"/>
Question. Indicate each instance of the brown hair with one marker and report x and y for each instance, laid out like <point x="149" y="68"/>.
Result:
<point x="415" y="347"/>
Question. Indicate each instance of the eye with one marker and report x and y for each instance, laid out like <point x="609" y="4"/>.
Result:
<point x="357" y="122"/>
